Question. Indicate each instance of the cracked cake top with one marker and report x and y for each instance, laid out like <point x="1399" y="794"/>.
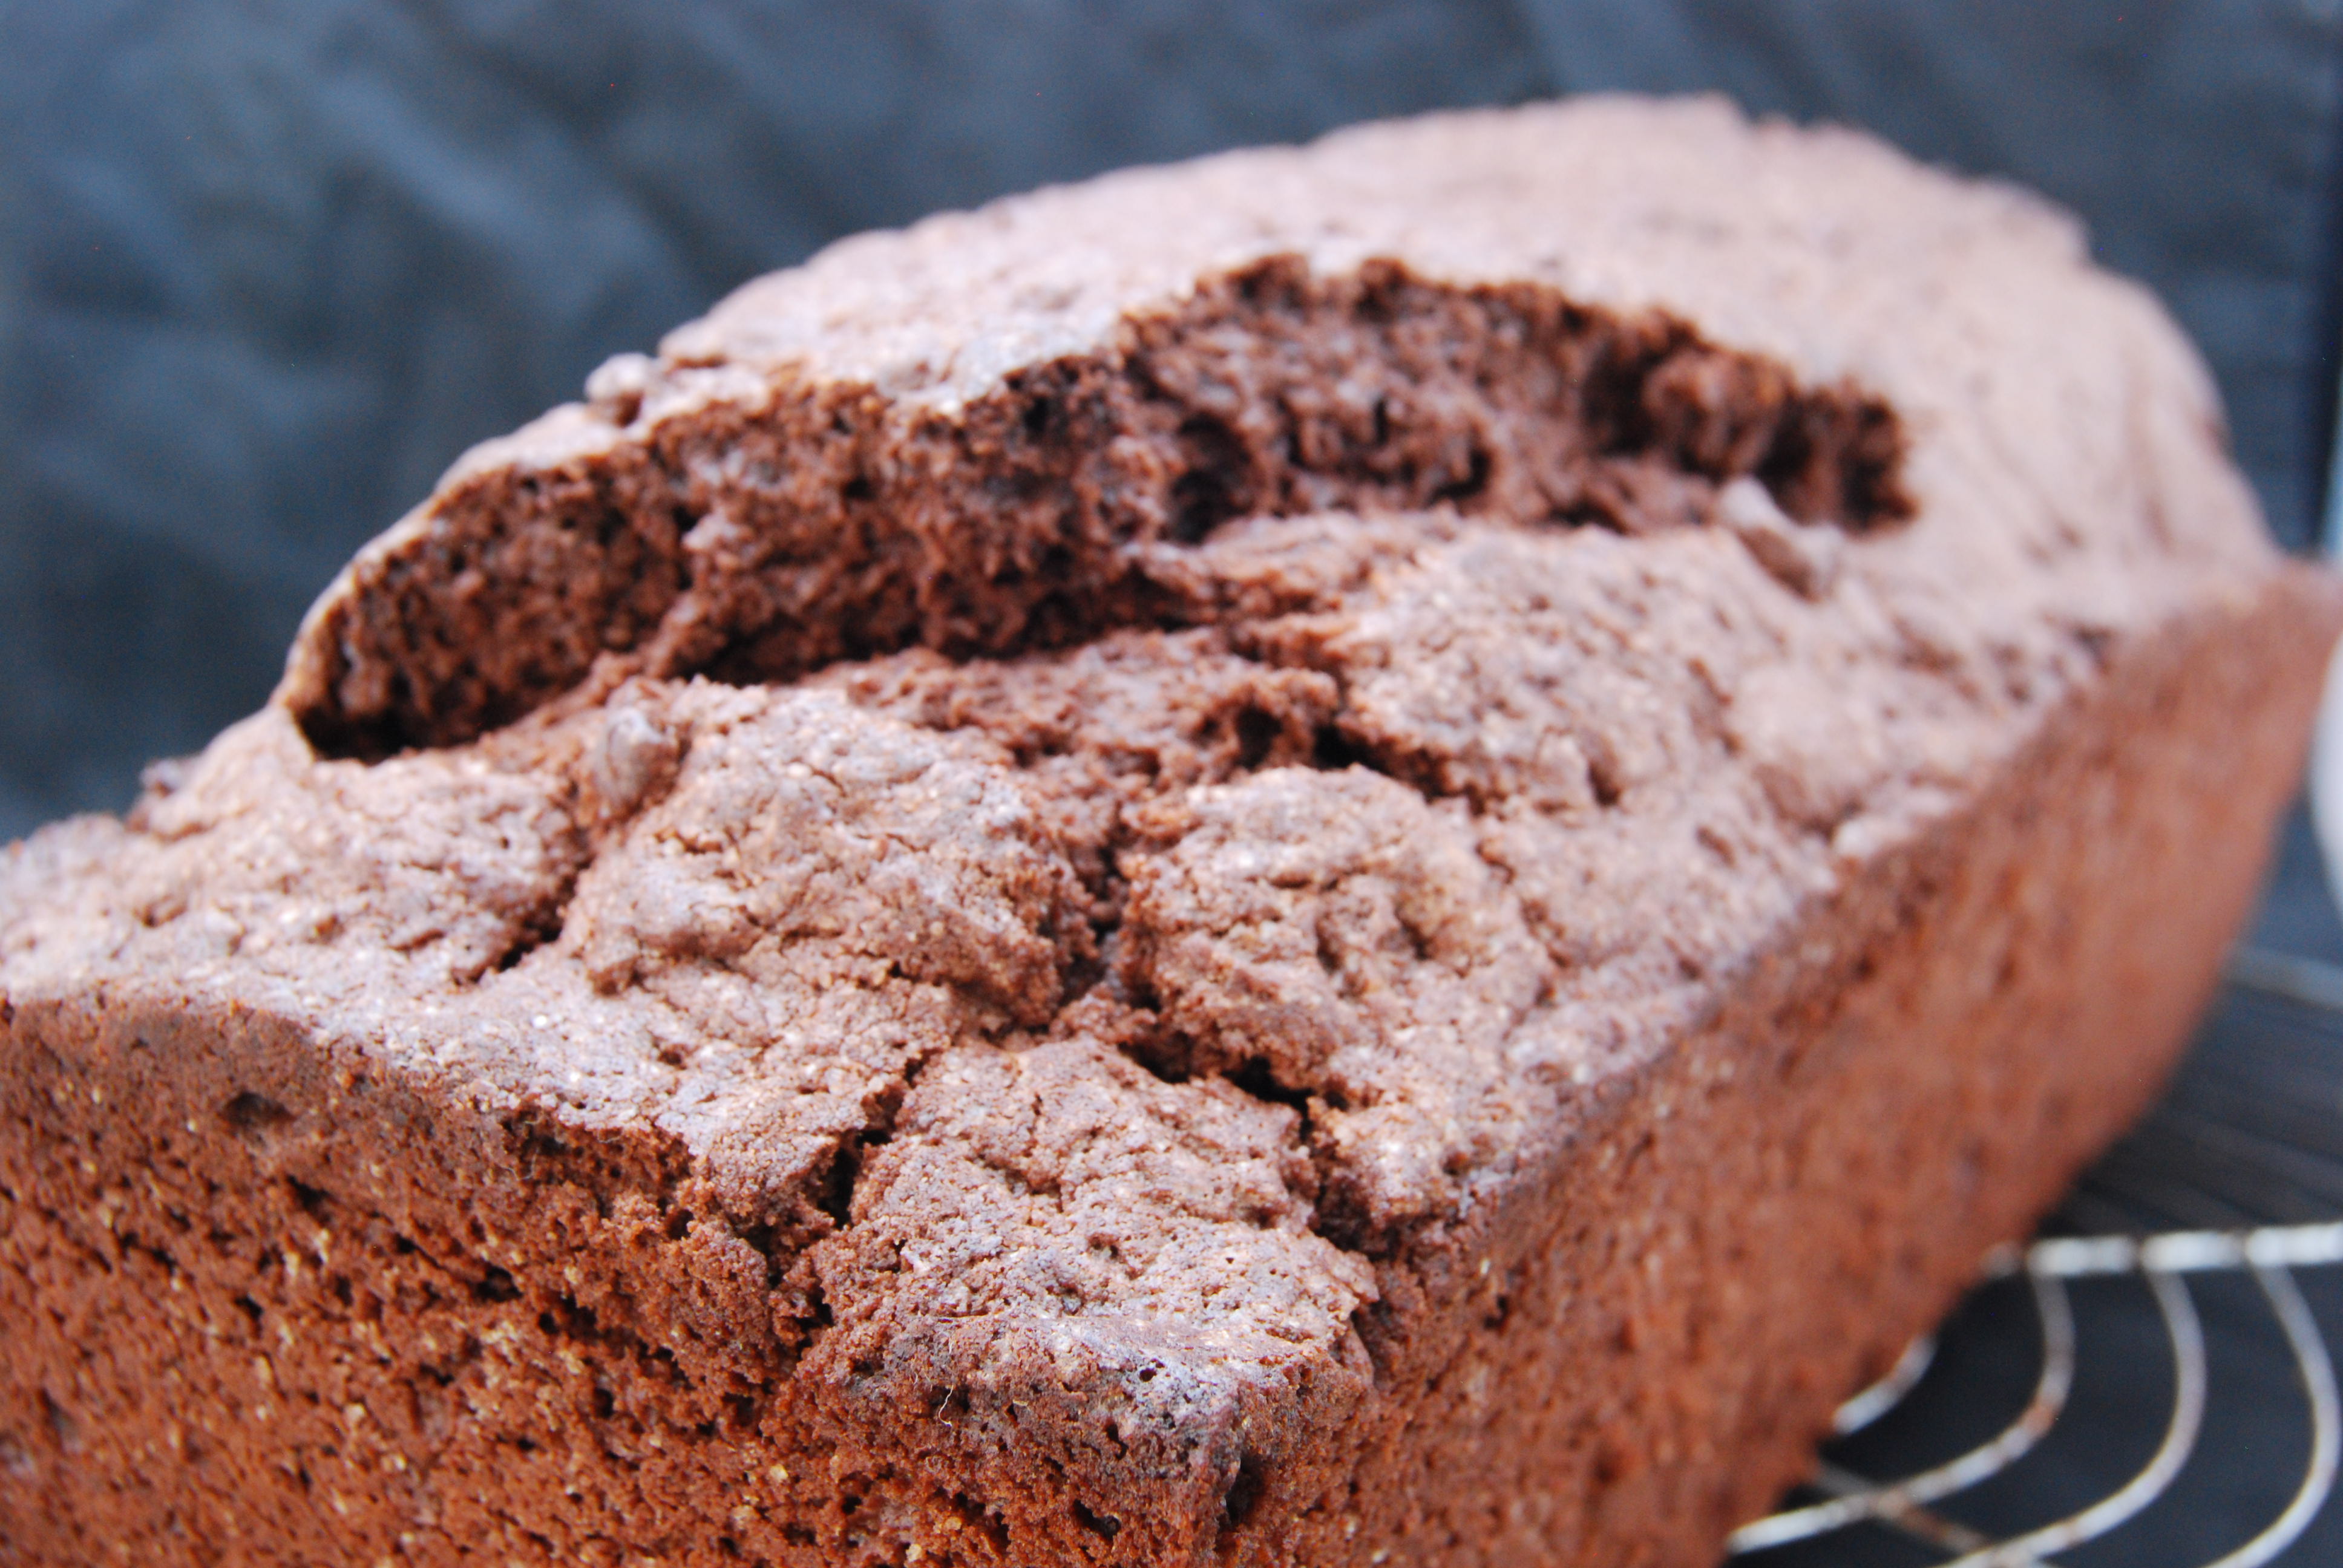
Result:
<point x="1099" y="770"/>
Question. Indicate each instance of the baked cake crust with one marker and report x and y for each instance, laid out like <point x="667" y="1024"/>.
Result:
<point x="1379" y="853"/>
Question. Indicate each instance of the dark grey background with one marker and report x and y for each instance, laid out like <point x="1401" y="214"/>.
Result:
<point x="267" y="266"/>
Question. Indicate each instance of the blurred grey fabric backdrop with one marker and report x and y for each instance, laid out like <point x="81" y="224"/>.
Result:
<point x="267" y="266"/>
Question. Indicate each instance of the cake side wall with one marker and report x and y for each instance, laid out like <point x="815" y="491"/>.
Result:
<point x="269" y="1305"/>
<point x="1637" y="1349"/>
<point x="257" y="1314"/>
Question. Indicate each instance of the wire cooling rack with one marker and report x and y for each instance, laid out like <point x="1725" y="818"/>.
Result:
<point x="2253" y="1131"/>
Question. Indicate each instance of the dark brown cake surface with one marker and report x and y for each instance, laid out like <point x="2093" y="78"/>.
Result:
<point x="1379" y="853"/>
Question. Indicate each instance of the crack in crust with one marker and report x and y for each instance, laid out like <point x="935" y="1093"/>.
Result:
<point x="704" y="518"/>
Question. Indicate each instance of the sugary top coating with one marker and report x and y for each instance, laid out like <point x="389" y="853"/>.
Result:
<point x="1104" y="768"/>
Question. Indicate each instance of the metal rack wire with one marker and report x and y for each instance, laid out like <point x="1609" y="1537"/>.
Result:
<point x="2166" y="1261"/>
<point x="2269" y="1253"/>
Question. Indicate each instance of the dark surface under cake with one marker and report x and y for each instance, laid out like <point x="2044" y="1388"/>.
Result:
<point x="1247" y="864"/>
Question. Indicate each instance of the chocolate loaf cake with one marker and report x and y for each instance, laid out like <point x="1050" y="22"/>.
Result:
<point x="1367" y="855"/>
